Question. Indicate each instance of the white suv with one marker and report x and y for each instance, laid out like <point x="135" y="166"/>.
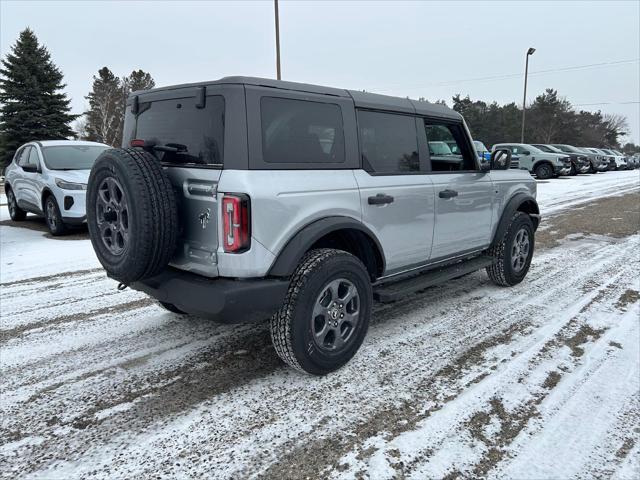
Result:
<point x="50" y="178"/>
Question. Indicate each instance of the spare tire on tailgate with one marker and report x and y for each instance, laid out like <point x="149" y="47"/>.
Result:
<point x="131" y="214"/>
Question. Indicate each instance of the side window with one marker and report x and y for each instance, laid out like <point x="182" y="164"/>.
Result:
<point x="301" y="131"/>
<point x="388" y="142"/>
<point x="448" y="149"/>
<point x="23" y="156"/>
<point x="33" y="158"/>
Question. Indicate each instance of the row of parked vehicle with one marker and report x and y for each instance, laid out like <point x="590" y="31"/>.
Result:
<point x="552" y="160"/>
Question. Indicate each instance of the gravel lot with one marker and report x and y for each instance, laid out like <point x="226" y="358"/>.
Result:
<point x="462" y="380"/>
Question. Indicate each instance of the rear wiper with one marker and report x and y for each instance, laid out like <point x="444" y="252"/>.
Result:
<point x="158" y="147"/>
<point x="170" y="147"/>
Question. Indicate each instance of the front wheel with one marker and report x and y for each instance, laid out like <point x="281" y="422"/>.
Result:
<point x="15" y="212"/>
<point x="53" y="217"/>
<point x="544" y="171"/>
<point x="325" y="315"/>
<point x="514" y="252"/>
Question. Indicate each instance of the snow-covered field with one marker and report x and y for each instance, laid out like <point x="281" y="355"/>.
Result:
<point x="463" y="380"/>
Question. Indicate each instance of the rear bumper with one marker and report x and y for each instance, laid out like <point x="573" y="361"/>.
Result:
<point x="221" y="299"/>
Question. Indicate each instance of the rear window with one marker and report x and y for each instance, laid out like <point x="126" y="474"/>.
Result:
<point x="182" y="133"/>
<point x="300" y="131"/>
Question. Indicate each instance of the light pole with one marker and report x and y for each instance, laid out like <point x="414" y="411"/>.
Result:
<point x="275" y="5"/>
<point x="524" y="100"/>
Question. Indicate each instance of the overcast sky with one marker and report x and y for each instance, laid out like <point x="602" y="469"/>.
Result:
<point x="416" y="49"/>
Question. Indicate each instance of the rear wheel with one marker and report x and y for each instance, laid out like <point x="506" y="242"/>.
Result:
<point x="514" y="252"/>
<point x="544" y="171"/>
<point x="15" y="212"/>
<point x="325" y="315"/>
<point x="53" y="217"/>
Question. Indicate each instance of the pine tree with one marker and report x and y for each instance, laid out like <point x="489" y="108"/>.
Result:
<point x="138" y="80"/>
<point x="106" y="109"/>
<point x="32" y="105"/>
<point x="107" y="103"/>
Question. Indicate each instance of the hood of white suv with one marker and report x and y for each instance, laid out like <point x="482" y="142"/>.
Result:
<point x="75" y="176"/>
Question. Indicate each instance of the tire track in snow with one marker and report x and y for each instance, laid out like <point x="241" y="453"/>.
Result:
<point x="279" y="408"/>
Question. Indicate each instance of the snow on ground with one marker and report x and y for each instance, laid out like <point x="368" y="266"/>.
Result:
<point x="465" y="379"/>
<point x="560" y="193"/>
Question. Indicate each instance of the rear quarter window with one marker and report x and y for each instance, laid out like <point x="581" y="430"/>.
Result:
<point x="196" y="133"/>
<point x="301" y="131"/>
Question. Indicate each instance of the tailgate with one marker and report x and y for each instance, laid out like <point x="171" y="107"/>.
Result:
<point x="196" y="190"/>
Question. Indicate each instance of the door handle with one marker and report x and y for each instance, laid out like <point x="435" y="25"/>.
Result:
<point x="448" y="193"/>
<point x="380" y="199"/>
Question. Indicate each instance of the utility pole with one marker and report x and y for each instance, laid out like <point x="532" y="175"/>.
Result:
<point x="275" y="4"/>
<point x="524" y="100"/>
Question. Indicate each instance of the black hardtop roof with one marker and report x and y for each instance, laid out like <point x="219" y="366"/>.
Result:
<point x="361" y="99"/>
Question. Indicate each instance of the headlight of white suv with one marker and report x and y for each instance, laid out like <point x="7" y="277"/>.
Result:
<point x="63" y="184"/>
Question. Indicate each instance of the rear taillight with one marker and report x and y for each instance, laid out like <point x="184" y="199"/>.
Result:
<point x="236" y="223"/>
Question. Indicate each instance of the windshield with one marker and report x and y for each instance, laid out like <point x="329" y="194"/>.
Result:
<point x="71" y="157"/>
<point x="531" y="148"/>
<point x="566" y="148"/>
<point x="549" y="148"/>
<point x="480" y="146"/>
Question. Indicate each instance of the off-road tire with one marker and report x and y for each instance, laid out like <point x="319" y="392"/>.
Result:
<point x="53" y="217"/>
<point x="171" y="307"/>
<point x="501" y="271"/>
<point x="15" y="212"/>
<point x="544" y="171"/>
<point x="152" y="217"/>
<point x="291" y="331"/>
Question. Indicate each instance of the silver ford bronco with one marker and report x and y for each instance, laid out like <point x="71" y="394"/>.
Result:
<point x="246" y="198"/>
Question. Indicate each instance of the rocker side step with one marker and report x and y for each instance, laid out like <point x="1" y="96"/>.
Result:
<point x="394" y="291"/>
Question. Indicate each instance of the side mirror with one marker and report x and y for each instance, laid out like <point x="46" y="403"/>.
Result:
<point x="500" y="159"/>
<point x="30" y="168"/>
<point x="526" y="152"/>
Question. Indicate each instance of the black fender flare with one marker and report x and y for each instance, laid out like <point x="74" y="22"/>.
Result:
<point x="513" y="205"/>
<point x="289" y="257"/>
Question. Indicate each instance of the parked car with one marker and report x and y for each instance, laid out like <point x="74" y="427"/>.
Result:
<point x="597" y="160"/>
<point x="627" y="165"/>
<point x="621" y="160"/>
<point x="237" y="211"/>
<point x="579" y="161"/>
<point x="483" y="152"/>
<point x="50" y="178"/>
<point x="539" y="163"/>
<point x="609" y="159"/>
